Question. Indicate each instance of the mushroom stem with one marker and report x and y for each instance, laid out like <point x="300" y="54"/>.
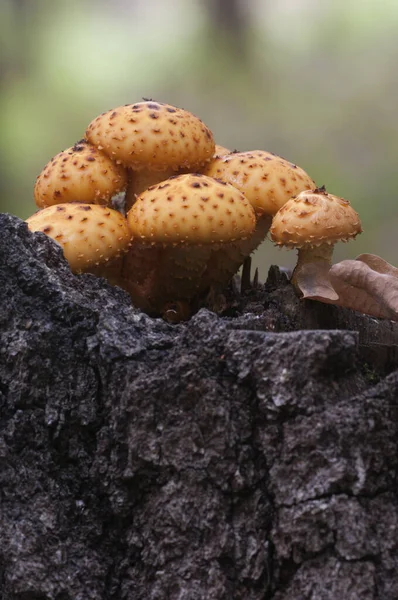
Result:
<point x="311" y="274"/>
<point x="251" y="243"/>
<point x="227" y="259"/>
<point x="308" y="254"/>
<point x="179" y="274"/>
<point x="139" y="181"/>
<point x="111" y="270"/>
<point x="156" y="276"/>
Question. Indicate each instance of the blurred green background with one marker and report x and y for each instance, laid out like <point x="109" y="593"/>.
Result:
<point x="316" y="82"/>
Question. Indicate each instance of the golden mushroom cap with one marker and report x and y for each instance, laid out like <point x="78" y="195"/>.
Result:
<point x="151" y="135"/>
<point x="221" y="151"/>
<point x="88" y="233"/>
<point x="314" y="218"/>
<point x="267" y="180"/>
<point x="79" y="174"/>
<point x="191" y="209"/>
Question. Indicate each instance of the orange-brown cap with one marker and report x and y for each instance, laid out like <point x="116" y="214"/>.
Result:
<point x="88" y="233"/>
<point x="79" y="174"/>
<point x="267" y="180"/>
<point x="314" y="218"/>
<point x="151" y="135"/>
<point x="221" y="150"/>
<point x="191" y="209"/>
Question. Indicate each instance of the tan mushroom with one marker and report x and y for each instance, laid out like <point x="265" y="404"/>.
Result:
<point x="153" y="140"/>
<point x="176" y="225"/>
<point x="90" y="235"/>
<point x="79" y="174"/>
<point x="313" y="222"/>
<point x="268" y="182"/>
<point x="221" y="151"/>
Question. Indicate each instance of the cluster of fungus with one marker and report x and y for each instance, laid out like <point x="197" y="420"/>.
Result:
<point x="193" y="211"/>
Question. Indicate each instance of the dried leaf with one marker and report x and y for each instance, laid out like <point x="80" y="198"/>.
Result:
<point x="368" y="285"/>
<point x="376" y="263"/>
<point x="366" y="290"/>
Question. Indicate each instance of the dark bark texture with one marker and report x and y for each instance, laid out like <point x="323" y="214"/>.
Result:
<point x="249" y="456"/>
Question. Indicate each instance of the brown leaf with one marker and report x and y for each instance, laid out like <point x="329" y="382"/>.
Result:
<point x="376" y="263"/>
<point x="364" y="289"/>
<point x="368" y="284"/>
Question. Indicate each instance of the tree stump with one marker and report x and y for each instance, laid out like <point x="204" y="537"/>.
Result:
<point x="248" y="456"/>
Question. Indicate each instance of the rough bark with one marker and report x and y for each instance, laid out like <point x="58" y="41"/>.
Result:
<point x="251" y="456"/>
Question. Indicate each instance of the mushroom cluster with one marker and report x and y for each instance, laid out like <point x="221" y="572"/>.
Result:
<point x="193" y="211"/>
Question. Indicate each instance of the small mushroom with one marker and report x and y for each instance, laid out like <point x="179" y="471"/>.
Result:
<point x="79" y="174"/>
<point x="90" y="235"/>
<point x="313" y="222"/>
<point x="177" y="224"/>
<point x="154" y="140"/>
